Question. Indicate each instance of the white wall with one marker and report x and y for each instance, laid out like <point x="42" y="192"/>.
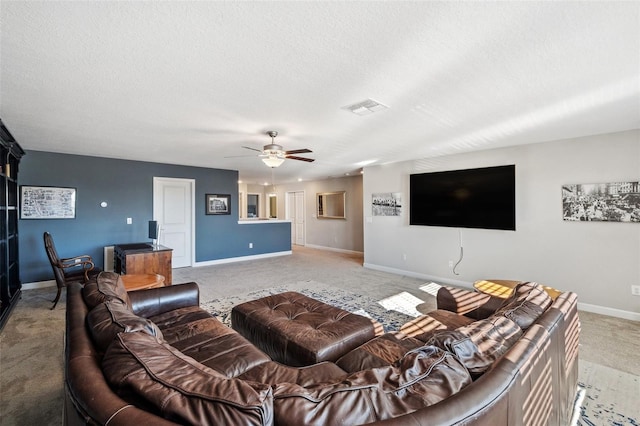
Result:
<point x="599" y="261"/>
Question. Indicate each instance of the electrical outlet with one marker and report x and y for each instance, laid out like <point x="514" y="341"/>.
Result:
<point x="404" y="257"/>
<point x="451" y="264"/>
<point x="250" y="245"/>
<point x="129" y="221"/>
<point x="635" y="290"/>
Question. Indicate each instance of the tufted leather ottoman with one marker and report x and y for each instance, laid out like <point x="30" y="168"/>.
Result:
<point x="297" y="330"/>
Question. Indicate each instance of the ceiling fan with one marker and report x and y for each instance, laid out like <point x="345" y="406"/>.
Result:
<point x="273" y="155"/>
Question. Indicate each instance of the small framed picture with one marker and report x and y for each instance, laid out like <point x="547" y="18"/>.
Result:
<point x="218" y="204"/>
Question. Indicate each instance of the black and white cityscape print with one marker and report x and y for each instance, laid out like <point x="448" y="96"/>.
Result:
<point x="603" y="202"/>
<point x="387" y="204"/>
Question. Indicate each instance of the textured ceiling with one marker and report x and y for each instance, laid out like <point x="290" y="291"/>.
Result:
<point x="192" y="82"/>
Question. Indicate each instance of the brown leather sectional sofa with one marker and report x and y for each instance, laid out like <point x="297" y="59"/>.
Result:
<point x="155" y="357"/>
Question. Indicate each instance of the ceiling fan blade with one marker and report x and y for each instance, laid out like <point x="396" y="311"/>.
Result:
<point x="252" y="149"/>
<point x="293" y="157"/>
<point x="240" y="156"/>
<point x="298" y="151"/>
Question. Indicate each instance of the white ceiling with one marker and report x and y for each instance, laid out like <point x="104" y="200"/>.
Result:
<point x="192" y="82"/>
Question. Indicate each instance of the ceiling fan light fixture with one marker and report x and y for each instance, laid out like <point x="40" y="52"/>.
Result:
<point x="273" y="155"/>
<point x="273" y="161"/>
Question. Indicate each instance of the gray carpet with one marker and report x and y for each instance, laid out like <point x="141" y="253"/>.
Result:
<point x="31" y="369"/>
<point x="31" y="343"/>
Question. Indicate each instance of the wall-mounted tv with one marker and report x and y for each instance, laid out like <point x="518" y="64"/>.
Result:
<point x="472" y="198"/>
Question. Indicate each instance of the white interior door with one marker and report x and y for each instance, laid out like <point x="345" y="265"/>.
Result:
<point x="295" y="213"/>
<point x="290" y="204"/>
<point x="173" y="209"/>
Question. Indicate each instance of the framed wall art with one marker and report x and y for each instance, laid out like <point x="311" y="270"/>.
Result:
<point x="386" y="204"/>
<point x="601" y="202"/>
<point x="218" y="204"/>
<point x="47" y="202"/>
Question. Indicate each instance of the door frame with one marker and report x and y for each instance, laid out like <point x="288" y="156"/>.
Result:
<point x="268" y="213"/>
<point x="242" y="202"/>
<point x="192" y="208"/>
<point x="258" y="206"/>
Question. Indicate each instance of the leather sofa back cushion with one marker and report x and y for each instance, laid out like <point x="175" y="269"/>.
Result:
<point x="382" y="351"/>
<point x="145" y="372"/>
<point x="479" y="344"/>
<point x="527" y="302"/>
<point x="424" y="376"/>
<point x="108" y="319"/>
<point x="105" y="286"/>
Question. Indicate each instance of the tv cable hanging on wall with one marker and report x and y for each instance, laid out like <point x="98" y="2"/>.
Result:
<point x="461" y="252"/>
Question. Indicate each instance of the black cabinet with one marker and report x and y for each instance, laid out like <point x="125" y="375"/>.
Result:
<point x="10" y="154"/>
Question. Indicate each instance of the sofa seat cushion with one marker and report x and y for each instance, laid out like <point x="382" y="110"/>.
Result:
<point x="108" y="319"/>
<point x="222" y="349"/>
<point x="182" y="323"/>
<point x="105" y="286"/>
<point x="425" y="326"/>
<point x="527" y="302"/>
<point x="479" y="344"/>
<point x="421" y="378"/>
<point x="157" y="376"/>
<point x="379" y="352"/>
<point x="273" y="373"/>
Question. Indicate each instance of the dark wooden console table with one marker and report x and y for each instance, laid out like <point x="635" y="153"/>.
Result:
<point x="133" y="282"/>
<point x="142" y="258"/>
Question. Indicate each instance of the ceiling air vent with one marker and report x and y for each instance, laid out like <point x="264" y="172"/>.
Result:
<point x="368" y="106"/>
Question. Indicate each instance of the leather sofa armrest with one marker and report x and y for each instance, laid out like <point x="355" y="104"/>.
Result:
<point x="155" y="301"/>
<point x="471" y="304"/>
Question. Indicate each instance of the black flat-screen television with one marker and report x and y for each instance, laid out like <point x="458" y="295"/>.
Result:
<point x="472" y="198"/>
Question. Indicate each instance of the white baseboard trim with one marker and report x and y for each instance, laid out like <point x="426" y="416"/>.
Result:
<point x="438" y="280"/>
<point x="242" y="258"/>
<point x="596" y="309"/>
<point x="39" y="284"/>
<point x="313" y="246"/>
<point x="612" y="312"/>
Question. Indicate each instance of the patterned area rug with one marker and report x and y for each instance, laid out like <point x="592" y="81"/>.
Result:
<point x="392" y="320"/>
<point x="611" y="396"/>
<point x="606" y="397"/>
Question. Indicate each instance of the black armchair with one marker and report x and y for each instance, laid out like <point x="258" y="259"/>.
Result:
<point x="70" y="269"/>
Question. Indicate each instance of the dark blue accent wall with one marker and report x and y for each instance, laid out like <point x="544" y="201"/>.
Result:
<point x="127" y="187"/>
